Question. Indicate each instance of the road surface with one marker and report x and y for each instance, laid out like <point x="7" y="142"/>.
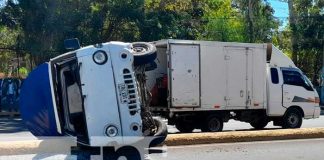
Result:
<point x="310" y="149"/>
<point x="233" y="125"/>
<point x="14" y="128"/>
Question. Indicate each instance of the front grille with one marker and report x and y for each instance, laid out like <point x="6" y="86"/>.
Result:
<point x="132" y="97"/>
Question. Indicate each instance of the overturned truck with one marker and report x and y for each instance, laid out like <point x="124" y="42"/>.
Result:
<point x="94" y="93"/>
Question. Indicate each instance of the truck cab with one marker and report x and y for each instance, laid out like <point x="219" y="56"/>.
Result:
<point x="291" y="91"/>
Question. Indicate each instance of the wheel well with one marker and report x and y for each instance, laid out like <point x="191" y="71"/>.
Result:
<point x="299" y="109"/>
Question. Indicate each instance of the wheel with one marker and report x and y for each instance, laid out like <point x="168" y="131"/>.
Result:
<point x="213" y="124"/>
<point x="144" y="53"/>
<point x="161" y="134"/>
<point x="260" y="124"/>
<point x="184" y="127"/>
<point x="292" y="119"/>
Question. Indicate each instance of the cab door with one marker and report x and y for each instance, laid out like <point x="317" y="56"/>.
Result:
<point x="297" y="91"/>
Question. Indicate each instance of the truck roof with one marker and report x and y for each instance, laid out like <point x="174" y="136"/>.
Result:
<point x="278" y="58"/>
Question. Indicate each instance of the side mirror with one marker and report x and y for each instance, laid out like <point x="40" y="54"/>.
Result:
<point x="72" y="44"/>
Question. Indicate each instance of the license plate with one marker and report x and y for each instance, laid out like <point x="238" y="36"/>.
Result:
<point x="123" y="94"/>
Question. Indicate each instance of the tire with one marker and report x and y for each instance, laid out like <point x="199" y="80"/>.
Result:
<point x="161" y="134"/>
<point x="144" y="53"/>
<point x="260" y="124"/>
<point x="292" y="119"/>
<point x="184" y="127"/>
<point x="213" y="124"/>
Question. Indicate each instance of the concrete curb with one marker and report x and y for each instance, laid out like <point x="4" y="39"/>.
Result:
<point x="50" y="146"/>
<point x="243" y="136"/>
<point x="63" y="145"/>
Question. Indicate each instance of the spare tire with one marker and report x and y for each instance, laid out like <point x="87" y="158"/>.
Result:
<point x="144" y="53"/>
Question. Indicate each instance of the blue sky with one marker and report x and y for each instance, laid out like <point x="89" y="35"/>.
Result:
<point x="281" y="10"/>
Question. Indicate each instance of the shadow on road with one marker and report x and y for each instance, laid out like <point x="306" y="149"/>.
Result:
<point x="11" y="125"/>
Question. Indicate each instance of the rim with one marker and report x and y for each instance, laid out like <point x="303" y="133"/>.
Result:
<point x="214" y="124"/>
<point x="293" y="120"/>
<point x="140" y="49"/>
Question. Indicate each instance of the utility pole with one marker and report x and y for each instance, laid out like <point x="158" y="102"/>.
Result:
<point x="250" y="17"/>
<point x="292" y="22"/>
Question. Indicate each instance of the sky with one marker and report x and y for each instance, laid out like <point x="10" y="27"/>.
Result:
<point x="281" y="10"/>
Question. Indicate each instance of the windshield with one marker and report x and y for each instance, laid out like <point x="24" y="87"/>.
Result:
<point x="307" y="81"/>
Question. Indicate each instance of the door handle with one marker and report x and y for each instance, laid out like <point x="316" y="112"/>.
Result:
<point x="241" y="93"/>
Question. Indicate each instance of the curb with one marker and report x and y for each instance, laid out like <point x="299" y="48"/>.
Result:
<point x="51" y="146"/>
<point x="243" y="136"/>
<point x="63" y="145"/>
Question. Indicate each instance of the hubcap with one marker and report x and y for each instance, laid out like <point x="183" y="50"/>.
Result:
<point x="214" y="124"/>
<point x="293" y="120"/>
<point x="139" y="50"/>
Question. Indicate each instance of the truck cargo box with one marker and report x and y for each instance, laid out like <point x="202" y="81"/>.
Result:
<point x="205" y="75"/>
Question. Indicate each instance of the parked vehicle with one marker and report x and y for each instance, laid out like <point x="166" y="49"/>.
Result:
<point x="202" y="84"/>
<point x="92" y="93"/>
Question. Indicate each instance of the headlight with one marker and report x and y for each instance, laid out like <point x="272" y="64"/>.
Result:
<point x="100" y="57"/>
<point x="111" y="131"/>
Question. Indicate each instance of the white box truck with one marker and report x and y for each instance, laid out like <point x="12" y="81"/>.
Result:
<point x="202" y="84"/>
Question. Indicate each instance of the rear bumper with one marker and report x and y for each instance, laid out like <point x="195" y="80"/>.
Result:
<point x="317" y="112"/>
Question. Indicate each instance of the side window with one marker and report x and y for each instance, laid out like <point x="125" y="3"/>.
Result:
<point x="296" y="79"/>
<point x="274" y="75"/>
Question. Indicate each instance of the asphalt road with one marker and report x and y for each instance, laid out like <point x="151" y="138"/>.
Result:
<point x="310" y="149"/>
<point x="13" y="129"/>
<point x="233" y="125"/>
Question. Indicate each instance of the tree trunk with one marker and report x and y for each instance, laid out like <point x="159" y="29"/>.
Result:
<point x="292" y="22"/>
<point x="250" y="16"/>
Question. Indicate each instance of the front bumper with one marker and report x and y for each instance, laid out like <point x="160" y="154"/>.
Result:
<point x="317" y="112"/>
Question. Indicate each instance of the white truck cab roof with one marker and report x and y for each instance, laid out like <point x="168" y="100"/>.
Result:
<point x="279" y="59"/>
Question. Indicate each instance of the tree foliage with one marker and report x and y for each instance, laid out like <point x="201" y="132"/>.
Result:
<point x="39" y="27"/>
<point x="309" y="32"/>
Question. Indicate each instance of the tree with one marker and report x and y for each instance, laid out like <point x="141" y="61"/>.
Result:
<point x="259" y="21"/>
<point x="178" y="19"/>
<point x="306" y="30"/>
<point x="224" y="23"/>
<point x="310" y="31"/>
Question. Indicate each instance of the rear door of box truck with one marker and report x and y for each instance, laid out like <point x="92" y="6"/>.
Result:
<point x="185" y="75"/>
